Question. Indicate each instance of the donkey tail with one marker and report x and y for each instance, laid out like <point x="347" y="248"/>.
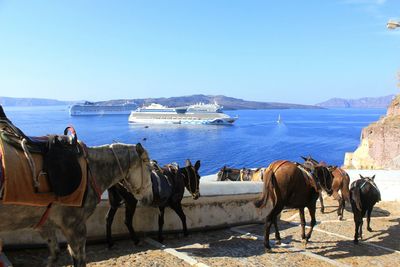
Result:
<point x="269" y="184"/>
<point x="356" y="197"/>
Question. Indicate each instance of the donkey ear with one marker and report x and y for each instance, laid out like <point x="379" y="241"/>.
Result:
<point x="304" y="158"/>
<point x="141" y="151"/>
<point x="373" y="177"/>
<point x="197" y="165"/>
<point x="2" y="114"/>
<point x="362" y="177"/>
<point x="188" y="163"/>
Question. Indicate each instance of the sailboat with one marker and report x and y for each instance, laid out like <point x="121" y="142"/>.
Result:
<point x="279" y="119"/>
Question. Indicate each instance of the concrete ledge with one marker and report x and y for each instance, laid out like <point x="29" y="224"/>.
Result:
<point x="222" y="204"/>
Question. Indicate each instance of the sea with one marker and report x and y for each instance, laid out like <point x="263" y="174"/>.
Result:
<point x="255" y="140"/>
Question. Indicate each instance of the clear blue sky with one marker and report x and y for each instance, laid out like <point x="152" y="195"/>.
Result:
<point x="286" y="51"/>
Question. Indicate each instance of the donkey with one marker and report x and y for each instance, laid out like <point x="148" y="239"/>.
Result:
<point x="363" y="195"/>
<point x="252" y="175"/>
<point x="341" y="181"/>
<point x="227" y="173"/>
<point x="177" y="178"/>
<point x="135" y="171"/>
<point x="287" y="185"/>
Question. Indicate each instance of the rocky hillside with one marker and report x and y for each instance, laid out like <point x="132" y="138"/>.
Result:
<point x="226" y="102"/>
<point x="380" y="146"/>
<point x="365" y="102"/>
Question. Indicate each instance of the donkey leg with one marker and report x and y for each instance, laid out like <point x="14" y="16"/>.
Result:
<point x="177" y="207"/>
<point x="48" y="233"/>
<point x="311" y="210"/>
<point x="277" y="234"/>
<point x="341" y="208"/>
<point x="268" y="222"/>
<point x="302" y="223"/>
<point x="160" y="224"/>
<point x="369" y="219"/>
<point x="129" y="212"/>
<point x="109" y="220"/>
<point x="321" y="200"/>
<point x="76" y="239"/>
<point x="356" y="228"/>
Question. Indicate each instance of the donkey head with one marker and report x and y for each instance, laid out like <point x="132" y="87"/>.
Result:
<point x="221" y="175"/>
<point x="324" y="177"/>
<point x="139" y="177"/>
<point x="192" y="178"/>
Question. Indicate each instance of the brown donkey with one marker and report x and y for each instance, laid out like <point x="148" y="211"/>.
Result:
<point x="341" y="181"/>
<point x="287" y="185"/>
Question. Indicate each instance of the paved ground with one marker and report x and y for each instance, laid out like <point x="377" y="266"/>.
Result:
<point x="331" y="244"/>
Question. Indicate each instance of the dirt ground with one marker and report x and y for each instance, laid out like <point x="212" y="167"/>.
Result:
<point x="330" y="244"/>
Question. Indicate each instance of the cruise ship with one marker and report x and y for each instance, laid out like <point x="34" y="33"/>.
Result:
<point x="195" y="114"/>
<point x="90" y="108"/>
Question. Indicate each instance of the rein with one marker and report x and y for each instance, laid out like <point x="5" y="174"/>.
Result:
<point x="89" y="172"/>
<point x="125" y="181"/>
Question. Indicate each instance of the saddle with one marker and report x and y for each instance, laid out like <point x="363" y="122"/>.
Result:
<point x="60" y="153"/>
<point x="311" y="177"/>
<point x="161" y="185"/>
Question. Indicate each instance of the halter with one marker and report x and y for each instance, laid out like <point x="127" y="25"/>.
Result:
<point x="125" y="181"/>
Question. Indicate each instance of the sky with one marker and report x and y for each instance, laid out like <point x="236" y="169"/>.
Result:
<point x="282" y="51"/>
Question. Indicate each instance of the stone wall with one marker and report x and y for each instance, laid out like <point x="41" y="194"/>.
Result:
<point x="380" y="143"/>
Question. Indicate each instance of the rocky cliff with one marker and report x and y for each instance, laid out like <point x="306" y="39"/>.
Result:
<point x="380" y="143"/>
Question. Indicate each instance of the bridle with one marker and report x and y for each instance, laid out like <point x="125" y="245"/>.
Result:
<point x="124" y="180"/>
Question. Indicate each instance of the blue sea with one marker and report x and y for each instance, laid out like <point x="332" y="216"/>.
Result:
<point x="255" y="140"/>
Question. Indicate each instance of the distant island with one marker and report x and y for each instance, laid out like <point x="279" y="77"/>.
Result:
<point x="27" y="102"/>
<point x="365" y="102"/>
<point x="229" y="103"/>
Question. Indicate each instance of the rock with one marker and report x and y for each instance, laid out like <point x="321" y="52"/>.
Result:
<point x="380" y="146"/>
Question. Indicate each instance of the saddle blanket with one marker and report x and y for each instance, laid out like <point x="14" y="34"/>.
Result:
<point x="18" y="186"/>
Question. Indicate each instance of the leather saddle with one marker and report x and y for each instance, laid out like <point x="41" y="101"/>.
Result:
<point x="161" y="185"/>
<point x="60" y="155"/>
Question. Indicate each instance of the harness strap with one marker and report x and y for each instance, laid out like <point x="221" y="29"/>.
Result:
<point x="89" y="174"/>
<point x="1" y="175"/>
<point x="310" y="176"/>
<point x="44" y="216"/>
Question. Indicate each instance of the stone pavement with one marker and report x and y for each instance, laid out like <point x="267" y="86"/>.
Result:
<point x="330" y="245"/>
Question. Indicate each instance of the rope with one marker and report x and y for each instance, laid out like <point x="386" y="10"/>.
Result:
<point x="32" y="166"/>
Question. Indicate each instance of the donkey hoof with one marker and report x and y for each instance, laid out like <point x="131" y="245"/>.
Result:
<point x="267" y="250"/>
<point x="355" y="241"/>
<point x="185" y="234"/>
<point x="340" y="217"/>
<point x="322" y="210"/>
<point x="110" y="245"/>
<point x="278" y="242"/>
<point x="369" y="229"/>
<point x="136" y="242"/>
